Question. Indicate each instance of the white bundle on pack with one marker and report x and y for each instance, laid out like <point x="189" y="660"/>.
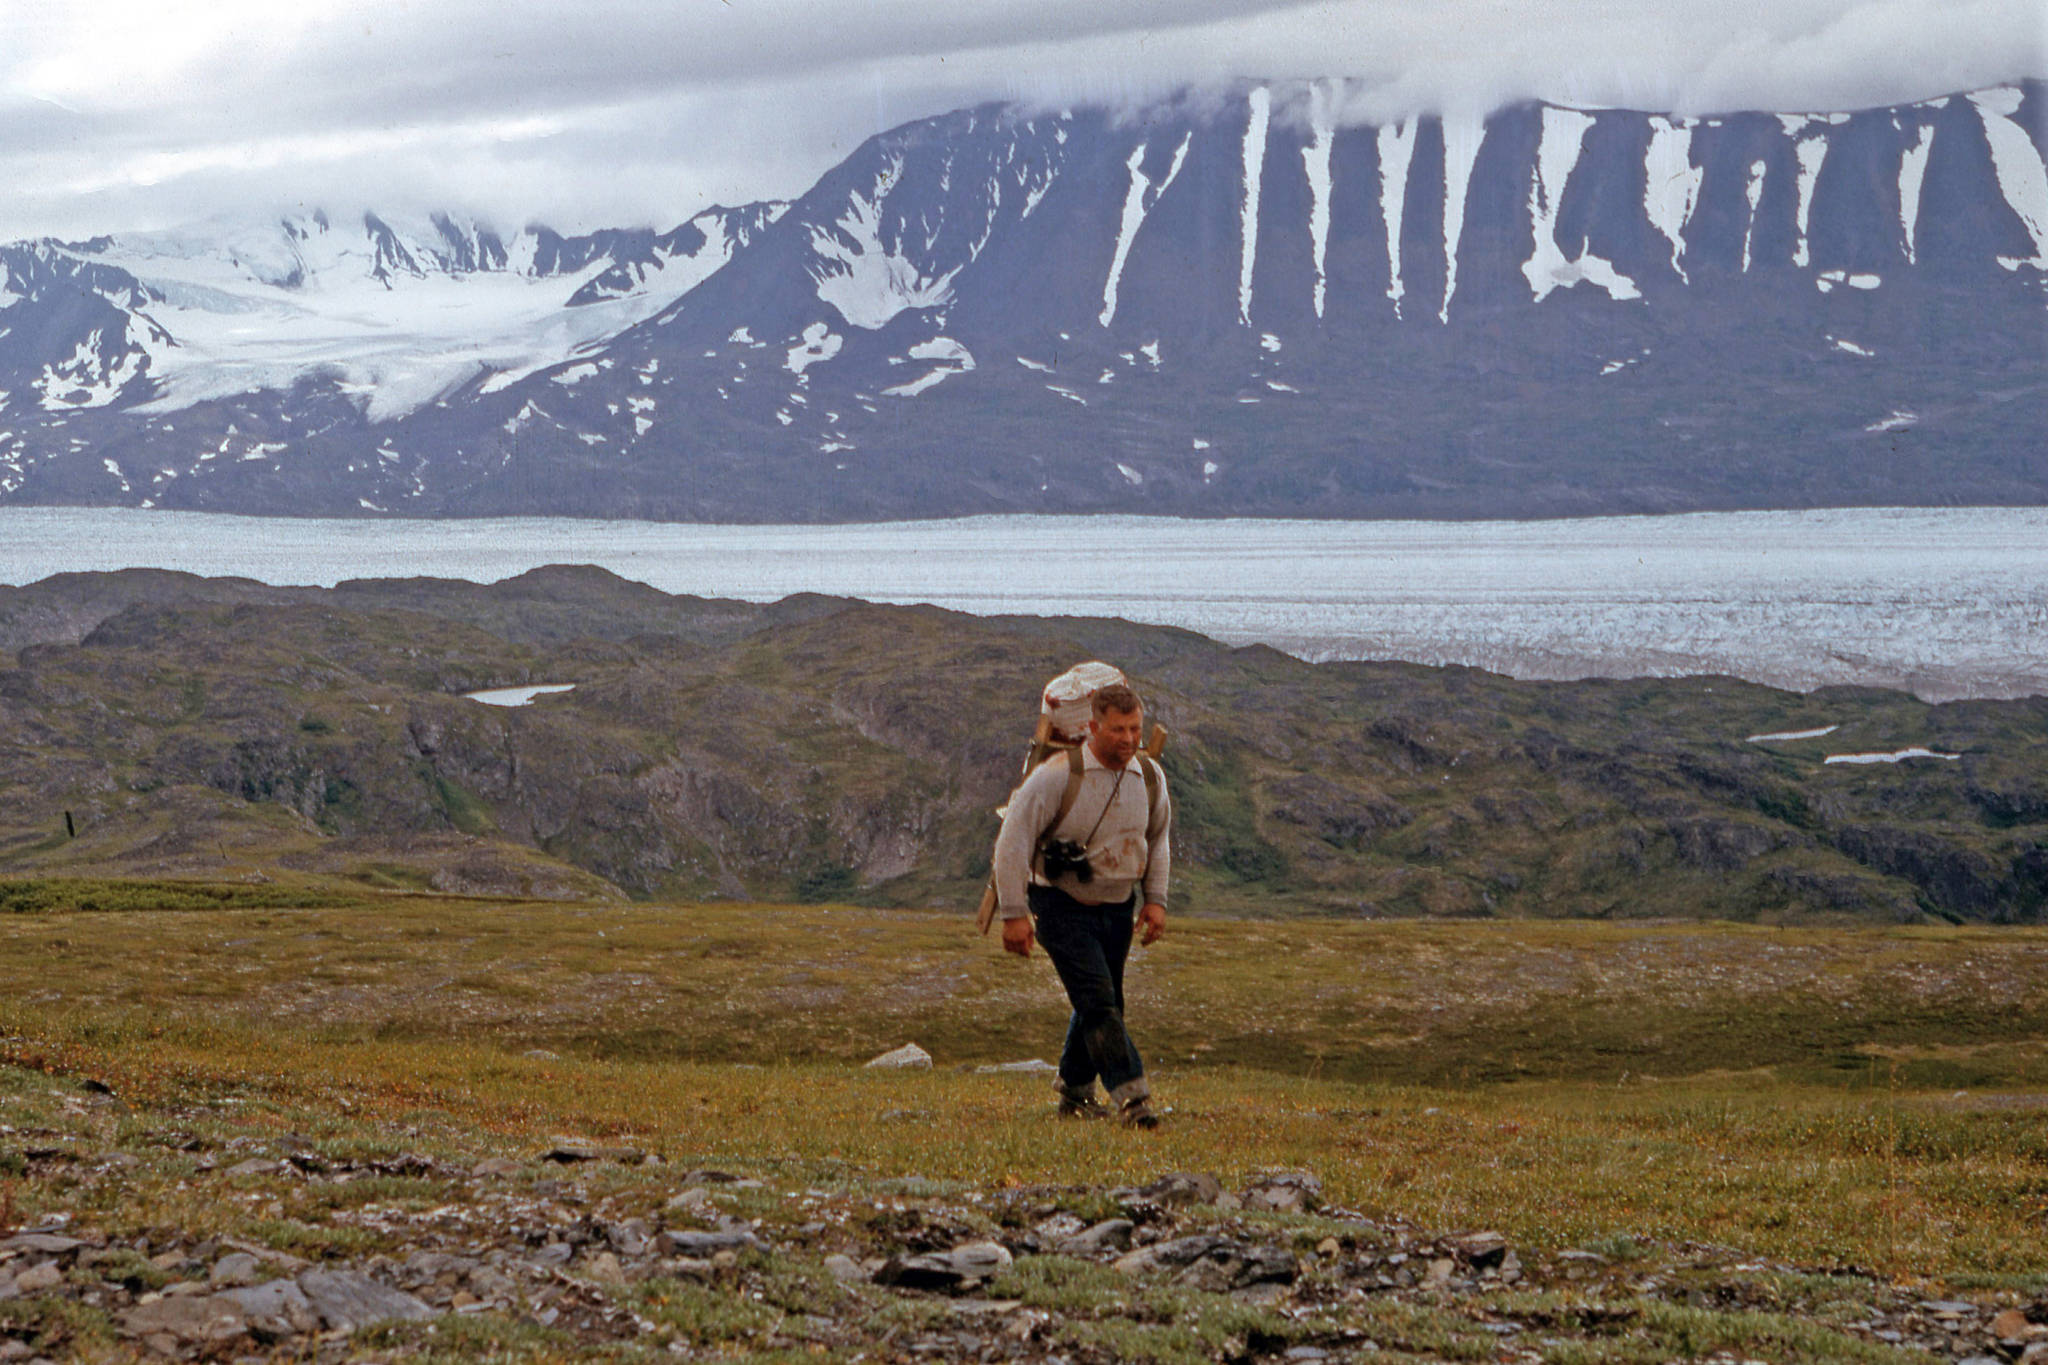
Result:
<point x="1067" y="700"/>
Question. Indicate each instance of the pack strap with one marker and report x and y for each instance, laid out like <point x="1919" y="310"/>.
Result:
<point x="1075" y="762"/>
<point x="1153" y="780"/>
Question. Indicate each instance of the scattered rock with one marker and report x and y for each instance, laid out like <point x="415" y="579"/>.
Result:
<point x="708" y="1243"/>
<point x="230" y="1271"/>
<point x="962" y="1267"/>
<point x="199" y="1319"/>
<point x="695" y="1200"/>
<point x="1285" y="1192"/>
<point x="1112" y="1234"/>
<point x="282" y="1260"/>
<point x="253" y="1166"/>
<point x="44" y="1275"/>
<point x="2011" y="1325"/>
<point x="1058" y="1228"/>
<point x="629" y="1238"/>
<point x="907" y="1056"/>
<point x="274" y="1311"/>
<point x="570" y="1152"/>
<point x="1213" y="1263"/>
<point x="1171" y="1254"/>
<point x="348" y="1299"/>
<point x="1180" y="1189"/>
<point x="1036" y="1066"/>
<point x="1477" y="1249"/>
<point x="1240" y="1267"/>
<point x="845" y="1269"/>
<point x="1579" y="1264"/>
<point x="560" y="1253"/>
<point x="604" y="1267"/>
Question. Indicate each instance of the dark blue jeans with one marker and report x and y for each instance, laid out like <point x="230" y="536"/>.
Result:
<point x="1088" y="945"/>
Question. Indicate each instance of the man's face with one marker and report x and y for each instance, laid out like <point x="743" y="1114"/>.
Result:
<point x="1116" y="735"/>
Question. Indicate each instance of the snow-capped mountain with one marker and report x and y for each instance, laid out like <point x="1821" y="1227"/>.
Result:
<point x="390" y="312"/>
<point x="1239" y="302"/>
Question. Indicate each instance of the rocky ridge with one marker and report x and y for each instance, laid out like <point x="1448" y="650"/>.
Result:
<point x="218" y="728"/>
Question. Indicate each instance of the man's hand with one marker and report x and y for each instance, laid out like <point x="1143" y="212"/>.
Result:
<point x="1151" y="924"/>
<point x="1017" y="936"/>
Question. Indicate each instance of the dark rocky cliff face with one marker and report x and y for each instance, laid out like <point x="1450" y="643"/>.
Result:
<point x="1232" y="304"/>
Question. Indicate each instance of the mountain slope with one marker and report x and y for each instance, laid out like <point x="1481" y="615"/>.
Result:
<point x="1237" y="302"/>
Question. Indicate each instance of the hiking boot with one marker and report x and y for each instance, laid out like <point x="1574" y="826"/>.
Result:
<point x="1139" y="1113"/>
<point x="1080" y="1104"/>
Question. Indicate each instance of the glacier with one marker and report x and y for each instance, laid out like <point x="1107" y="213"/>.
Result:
<point x="1943" y="602"/>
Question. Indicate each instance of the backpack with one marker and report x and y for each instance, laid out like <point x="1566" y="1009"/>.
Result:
<point x="1043" y="747"/>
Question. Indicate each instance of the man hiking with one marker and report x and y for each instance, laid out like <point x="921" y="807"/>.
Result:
<point x="1083" y="880"/>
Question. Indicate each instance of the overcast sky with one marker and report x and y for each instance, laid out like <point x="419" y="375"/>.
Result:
<point x="122" y="114"/>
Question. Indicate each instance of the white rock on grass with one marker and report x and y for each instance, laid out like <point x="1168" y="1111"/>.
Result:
<point x="910" y="1055"/>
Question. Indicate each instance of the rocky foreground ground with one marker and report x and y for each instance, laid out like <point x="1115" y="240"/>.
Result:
<point x="159" y="1236"/>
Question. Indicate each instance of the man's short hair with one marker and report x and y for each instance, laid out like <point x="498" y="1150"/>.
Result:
<point x="1115" y="697"/>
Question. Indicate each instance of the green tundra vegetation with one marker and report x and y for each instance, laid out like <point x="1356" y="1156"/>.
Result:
<point x="824" y="750"/>
<point x="1820" y="1096"/>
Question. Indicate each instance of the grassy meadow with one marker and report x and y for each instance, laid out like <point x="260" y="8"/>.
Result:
<point x="1821" y="1098"/>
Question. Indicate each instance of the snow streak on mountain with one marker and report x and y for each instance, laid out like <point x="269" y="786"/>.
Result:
<point x="1232" y="304"/>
